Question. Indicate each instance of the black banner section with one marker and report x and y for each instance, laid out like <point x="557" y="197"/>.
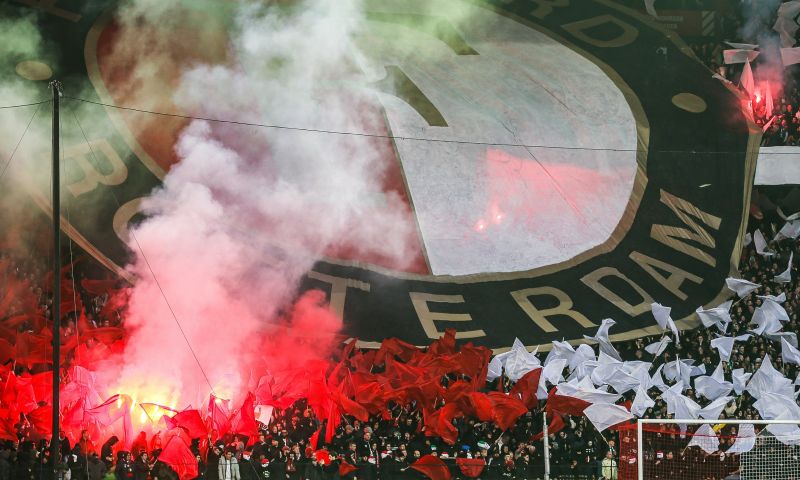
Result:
<point x="675" y="244"/>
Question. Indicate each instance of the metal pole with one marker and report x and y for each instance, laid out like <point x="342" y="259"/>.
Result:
<point x="55" y="455"/>
<point x="639" y="450"/>
<point x="546" y="439"/>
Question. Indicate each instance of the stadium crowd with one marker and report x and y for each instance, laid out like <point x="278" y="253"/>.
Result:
<point x="386" y="446"/>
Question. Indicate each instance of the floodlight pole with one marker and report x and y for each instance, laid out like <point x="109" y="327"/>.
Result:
<point x="55" y="455"/>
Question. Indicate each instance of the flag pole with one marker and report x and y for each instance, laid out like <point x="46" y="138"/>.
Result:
<point x="55" y="447"/>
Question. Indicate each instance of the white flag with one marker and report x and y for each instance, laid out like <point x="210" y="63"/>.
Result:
<point x="739" y="56"/>
<point x="740" y="379"/>
<point x="264" y="413"/>
<point x="779" y="299"/>
<point x="661" y="314"/>
<point x="790" y="230"/>
<point x="745" y="440"/>
<point x="520" y="361"/>
<point x="719" y="316"/>
<point x="714" y="386"/>
<point x="789" y="353"/>
<point x="714" y="409"/>
<point x="742" y="288"/>
<point x="706" y="438"/>
<point x="650" y="8"/>
<point x="641" y="402"/>
<point x="786" y="25"/>
<point x="786" y="275"/>
<point x="724" y="345"/>
<point x="658" y="381"/>
<point x="583" y="354"/>
<point x="658" y="347"/>
<point x="790" y="56"/>
<point x="768" y="380"/>
<point x="761" y="244"/>
<point x="742" y="46"/>
<point x="604" y="415"/>
<point x="746" y="81"/>
<point x="560" y="350"/>
<point x="766" y="319"/>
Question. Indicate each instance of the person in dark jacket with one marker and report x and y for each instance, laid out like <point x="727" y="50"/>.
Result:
<point x="107" y="451"/>
<point x="97" y="468"/>
<point x="141" y="467"/>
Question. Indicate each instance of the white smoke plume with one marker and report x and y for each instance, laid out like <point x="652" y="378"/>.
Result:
<point x="248" y="210"/>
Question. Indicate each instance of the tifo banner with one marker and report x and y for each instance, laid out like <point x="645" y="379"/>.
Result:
<point x="676" y="240"/>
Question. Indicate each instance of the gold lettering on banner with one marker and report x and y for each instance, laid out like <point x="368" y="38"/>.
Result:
<point x="592" y="280"/>
<point x="427" y="317"/>
<point x="675" y="237"/>
<point x="339" y="287"/>
<point x="91" y="175"/>
<point x="672" y="282"/>
<point x="627" y="35"/>
<point x="545" y="7"/>
<point x="123" y="215"/>
<point x="49" y="6"/>
<point x="539" y="317"/>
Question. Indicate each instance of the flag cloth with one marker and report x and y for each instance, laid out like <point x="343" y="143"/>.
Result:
<point x="786" y="275"/>
<point x="706" y="438"/>
<point x="650" y="8"/>
<point x="789" y="353"/>
<point x="761" y="244"/>
<point x="604" y="415"/>
<point x="661" y="314"/>
<point x="345" y="469"/>
<point x="738" y="55"/>
<point x="179" y="456"/>
<point x="749" y="85"/>
<point x="745" y="440"/>
<point x="741" y="287"/>
<point x="191" y="421"/>
<point x="505" y="409"/>
<point x="244" y="421"/>
<point x="740" y="379"/>
<point x="641" y="402"/>
<point x="657" y="348"/>
<point x="724" y="345"/>
<point x="718" y="315"/>
<point x="432" y="467"/>
<point x="714" y="386"/>
<point x="785" y="24"/>
<point x="471" y="467"/>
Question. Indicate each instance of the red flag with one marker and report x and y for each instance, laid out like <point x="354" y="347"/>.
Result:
<point x="506" y="410"/>
<point x="556" y="425"/>
<point x="244" y="421"/>
<point x="480" y="406"/>
<point x="432" y="467"/>
<point x="446" y="345"/>
<point x="42" y="419"/>
<point x="218" y="413"/>
<point x="179" y="456"/>
<point x="350" y="407"/>
<point x="396" y="347"/>
<point x="440" y="423"/>
<point x="345" y="469"/>
<point x="314" y="440"/>
<point x="564" y="405"/>
<point x="471" y="467"/>
<point x="525" y="388"/>
<point x="7" y="430"/>
<point x="98" y="287"/>
<point x="191" y="421"/>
